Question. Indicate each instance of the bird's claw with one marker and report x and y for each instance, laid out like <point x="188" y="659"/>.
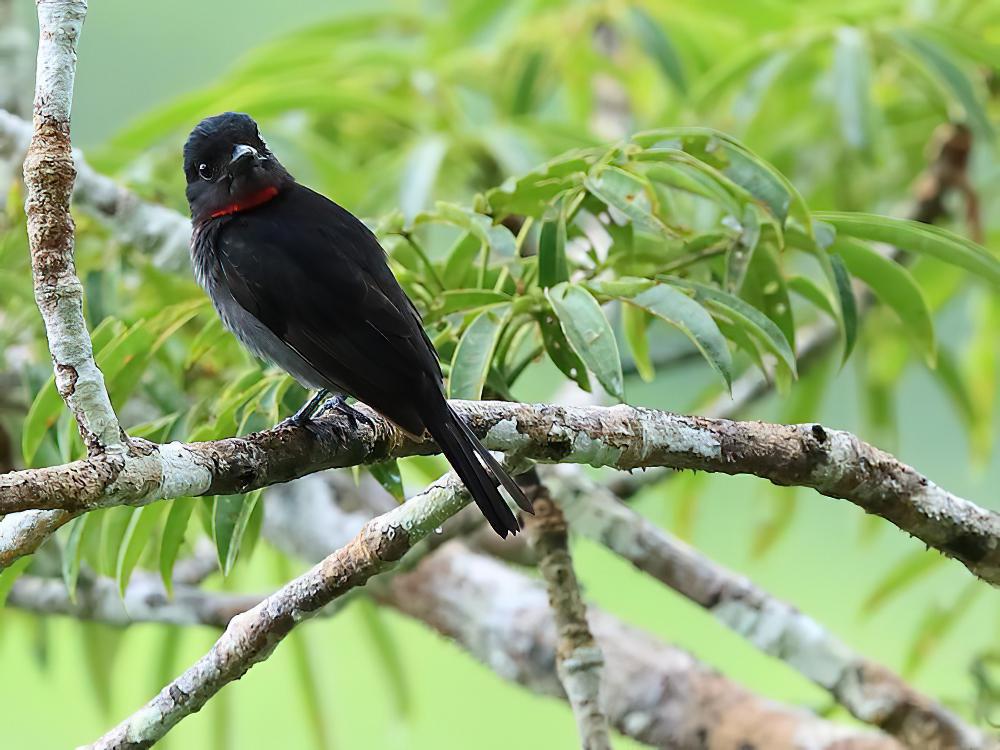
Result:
<point x="339" y="403"/>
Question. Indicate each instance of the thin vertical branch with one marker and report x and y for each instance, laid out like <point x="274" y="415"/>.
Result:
<point x="48" y="176"/>
<point x="579" y="661"/>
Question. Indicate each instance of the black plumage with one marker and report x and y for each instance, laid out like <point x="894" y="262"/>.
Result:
<point x="305" y="284"/>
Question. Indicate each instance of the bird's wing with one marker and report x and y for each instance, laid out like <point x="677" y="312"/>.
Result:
<point x="317" y="278"/>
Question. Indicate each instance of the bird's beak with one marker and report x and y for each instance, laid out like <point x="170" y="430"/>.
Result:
<point x="241" y="152"/>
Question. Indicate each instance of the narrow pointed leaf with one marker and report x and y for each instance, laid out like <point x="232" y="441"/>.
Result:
<point x="895" y="287"/>
<point x="387" y="474"/>
<point x="589" y="333"/>
<point x="753" y="320"/>
<point x="634" y="326"/>
<point x="560" y="351"/>
<point x="474" y="354"/>
<point x="137" y="534"/>
<point x="848" y="304"/>
<point x="173" y="536"/>
<point x="658" y="45"/>
<point x="682" y="312"/>
<point x="918" y="238"/>
<point x="552" y="268"/>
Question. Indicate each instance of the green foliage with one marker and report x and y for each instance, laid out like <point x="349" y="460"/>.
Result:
<point x="531" y="236"/>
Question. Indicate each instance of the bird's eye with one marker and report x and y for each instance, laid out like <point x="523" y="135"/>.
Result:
<point x="205" y="171"/>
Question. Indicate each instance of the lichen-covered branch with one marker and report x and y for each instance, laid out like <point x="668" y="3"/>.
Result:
<point x="834" y="463"/>
<point x="871" y="692"/>
<point x="48" y="177"/>
<point x="23" y="533"/>
<point x="503" y="619"/>
<point x="253" y="635"/>
<point x="655" y="693"/>
<point x="145" y="600"/>
<point x="579" y="661"/>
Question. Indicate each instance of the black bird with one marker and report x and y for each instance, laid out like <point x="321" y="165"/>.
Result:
<point x="304" y="284"/>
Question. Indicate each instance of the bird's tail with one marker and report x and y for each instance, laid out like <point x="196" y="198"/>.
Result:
<point x="479" y="470"/>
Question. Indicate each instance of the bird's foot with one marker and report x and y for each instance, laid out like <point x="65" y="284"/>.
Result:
<point x="309" y="411"/>
<point x="339" y="403"/>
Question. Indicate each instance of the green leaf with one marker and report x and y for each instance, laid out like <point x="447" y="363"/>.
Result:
<point x="173" y="536"/>
<point x="42" y="416"/>
<point x="634" y="326"/>
<point x="560" y="351"/>
<point x="387" y="474"/>
<point x="10" y="574"/>
<point x="71" y="551"/>
<point x="894" y="285"/>
<point x="116" y="523"/>
<point x="137" y="535"/>
<point x="740" y="253"/>
<point x="458" y="268"/>
<point x="629" y="194"/>
<point x="852" y="86"/>
<point x="950" y="76"/>
<point x="589" y="333"/>
<point x="910" y="569"/>
<point x="810" y="291"/>
<point x="466" y="300"/>
<point x="761" y="327"/>
<point x="848" y="304"/>
<point x="680" y="311"/>
<point x="937" y="623"/>
<point x="474" y="353"/>
<point x="761" y="180"/>
<point x="764" y="287"/>
<point x="658" y="45"/>
<point x="388" y="652"/>
<point x="420" y="173"/>
<point x="101" y="644"/>
<point x="552" y="268"/>
<point x="230" y="516"/>
<point x="918" y="238"/>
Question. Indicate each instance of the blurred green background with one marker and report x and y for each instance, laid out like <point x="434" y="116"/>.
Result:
<point x="136" y="57"/>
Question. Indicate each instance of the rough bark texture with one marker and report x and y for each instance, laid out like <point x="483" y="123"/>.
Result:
<point x="871" y="692"/>
<point x="48" y="177"/>
<point x="579" y="662"/>
<point x="655" y="693"/>
<point x="834" y="463"/>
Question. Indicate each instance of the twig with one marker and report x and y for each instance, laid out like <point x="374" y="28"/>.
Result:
<point x="834" y="463"/>
<point x="579" y="661"/>
<point x="871" y="692"/>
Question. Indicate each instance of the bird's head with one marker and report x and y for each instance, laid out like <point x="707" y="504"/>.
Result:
<point x="229" y="168"/>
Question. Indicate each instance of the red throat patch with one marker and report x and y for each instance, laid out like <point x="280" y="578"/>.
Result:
<point x="251" y="201"/>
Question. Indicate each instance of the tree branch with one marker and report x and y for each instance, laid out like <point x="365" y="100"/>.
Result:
<point x="655" y="693"/>
<point x="253" y="635"/>
<point x="868" y="690"/>
<point x="503" y="619"/>
<point x="145" y="600"/>
<point x="48" y="177"/>
<point x="834" y="463"/>
<point x="579" y="661"/>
